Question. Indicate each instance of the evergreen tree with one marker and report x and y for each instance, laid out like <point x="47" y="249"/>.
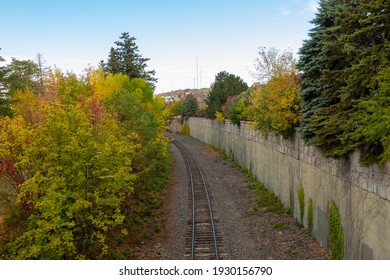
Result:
<point x="16" y="76"/>
<point x="344" y="66"/>
<point x="19" y="75"/>
<point x="225" y="85"/>
<point x="5" y="110"/>
<point x="366" y="41"/>
<point x="125" y="59"/>
<point x="190" y="106"/>
<point x="320" y="60"/>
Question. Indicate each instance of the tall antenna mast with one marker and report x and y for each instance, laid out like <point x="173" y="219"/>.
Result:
<point x="197" y="74"/>
<point x="200" y="77"/>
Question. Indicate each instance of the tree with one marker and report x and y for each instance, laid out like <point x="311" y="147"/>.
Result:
<point x="271" y="61"/>
<point x="5" y="102"/>
<point x="225" y="85"/>
<point x="276" y="105"/>
<point x="42" y="72"/>
<point x="16" y="76"/>
<point x="190" y="106"/>
<point x="19" y="75"/>
<point x="320" y="59"/>
<point x="80" y="166"/>
<point x="76" y="184"/>
<point x="343" y="64"/>
<point x="125" y="59"/>
<point x="366" y="42"/>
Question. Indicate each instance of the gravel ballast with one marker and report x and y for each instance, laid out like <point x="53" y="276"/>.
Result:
<point x="246" y="234"/>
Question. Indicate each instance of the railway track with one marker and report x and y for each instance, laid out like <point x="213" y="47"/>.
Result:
<point x="203" y="239"/>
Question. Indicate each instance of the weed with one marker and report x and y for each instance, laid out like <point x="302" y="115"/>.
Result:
<point x="301" y="200"/>
<point x="291" y="252"/>
<point x="310" y="216"/>
<point x="280" y="225"/>
<point x="184" y="129"/>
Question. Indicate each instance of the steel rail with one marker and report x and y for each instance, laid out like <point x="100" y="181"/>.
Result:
<point x="186" y="154"/>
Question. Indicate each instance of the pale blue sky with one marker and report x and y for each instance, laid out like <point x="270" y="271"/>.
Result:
<point x="222" y="34"/>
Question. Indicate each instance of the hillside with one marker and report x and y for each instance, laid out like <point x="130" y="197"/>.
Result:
<point x="200" y="94"/>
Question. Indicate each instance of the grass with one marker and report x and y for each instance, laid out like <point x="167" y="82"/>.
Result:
<point x="266" y="201"/>
<point x="279" y="225"/>
<point x="291" y="252"/>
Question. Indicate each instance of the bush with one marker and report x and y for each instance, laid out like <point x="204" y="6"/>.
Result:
<point x="336" y="236"/>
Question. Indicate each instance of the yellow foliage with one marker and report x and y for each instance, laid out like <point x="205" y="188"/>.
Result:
<point x="185" y="129"/>
<point x="102" y="86"/>
<point x="276" y="105"/>
<point x="27" y="106"/>
<point x="72" y="158"/>
<point x="219" y="116"/>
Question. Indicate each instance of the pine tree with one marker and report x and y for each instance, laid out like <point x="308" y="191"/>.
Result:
<point x="190" y="106"/>
<point x="125" y="59"/>
<point x="225" y="85"/>
<point x="320" y="62"/>
<point x="366" y="41"/>
<point x="345" y="66"/>
<point x="5" y="110"/>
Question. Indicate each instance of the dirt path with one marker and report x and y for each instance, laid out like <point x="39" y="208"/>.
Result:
<point x="245" y="235"/>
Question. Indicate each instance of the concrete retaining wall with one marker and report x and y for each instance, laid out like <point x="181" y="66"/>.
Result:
<point x="362" y="194"/>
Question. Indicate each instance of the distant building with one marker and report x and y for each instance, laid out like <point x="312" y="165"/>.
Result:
<point x="199" y="94"/>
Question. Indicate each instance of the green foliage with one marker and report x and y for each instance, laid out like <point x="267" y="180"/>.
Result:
<point x="18" y="75"/>
<point x="301" y="199"/>
<point x="172" y="110"/>
<point x="225" y="85"/>
<point x="125" y="59"/>
<point x="175" y="108"/>
<point x="5" y="107"/>
<point x="344" y="62"/>
<point x="139" y="114"/>
<point x="241" y="110"/>
<point x="266" y="200"/>
<point x="370" y="123"/>
<point x="336" y="236"/>
<point x="310" y="216"/>
<point x="190" y="107"/>
<point x="74" y="194"/>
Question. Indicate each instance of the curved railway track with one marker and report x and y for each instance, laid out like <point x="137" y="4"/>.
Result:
<point x="203" y="240"/>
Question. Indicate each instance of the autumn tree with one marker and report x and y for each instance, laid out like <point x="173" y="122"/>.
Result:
<point x="275" y="101"/>
<point x="271" y="61"/>
<point x="125" y="59"/>
<point x="80" y="165"/>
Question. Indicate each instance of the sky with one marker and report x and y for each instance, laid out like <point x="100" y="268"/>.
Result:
<point x="188" y="41"/>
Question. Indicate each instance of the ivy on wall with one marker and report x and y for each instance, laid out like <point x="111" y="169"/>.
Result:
<point x="336" y="235"/>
